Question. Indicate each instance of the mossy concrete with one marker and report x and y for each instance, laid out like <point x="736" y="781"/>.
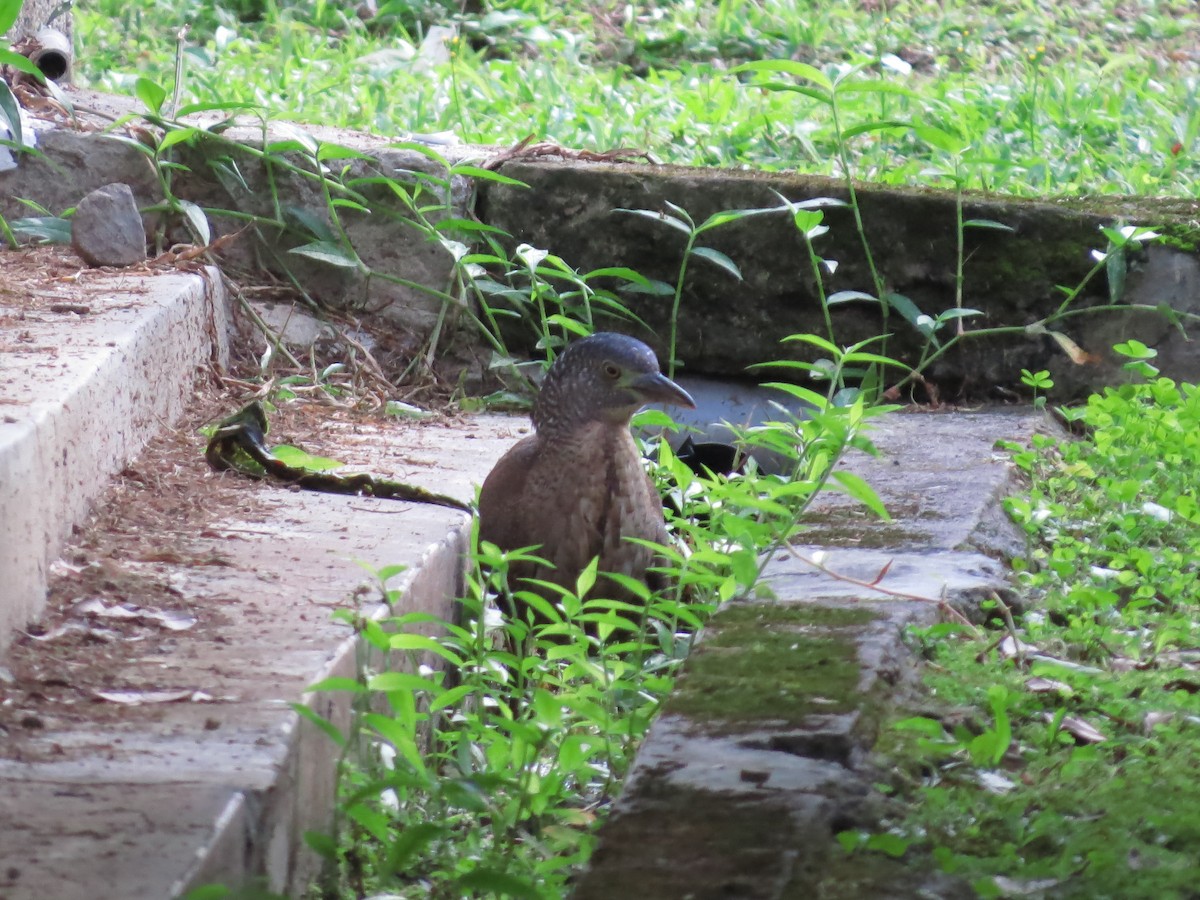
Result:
<point x="725" y="325"/>
<point x="572" y="208"/>
<point x="802" y="646"/>
<point x="763" y="754"/>
<point x="402" y="270"/>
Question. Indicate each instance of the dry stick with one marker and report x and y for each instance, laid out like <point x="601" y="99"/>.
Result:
<point x="949" y="611"/>
<point x="1011" y="626"/>
<point x="276" y="340"/>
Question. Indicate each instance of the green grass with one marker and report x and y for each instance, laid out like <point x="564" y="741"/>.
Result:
<point x="1096" y="96"/>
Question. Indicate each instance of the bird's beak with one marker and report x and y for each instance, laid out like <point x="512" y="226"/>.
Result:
<point x="658" y="388"/>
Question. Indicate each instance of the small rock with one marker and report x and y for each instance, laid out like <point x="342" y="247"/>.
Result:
<point x="107" y="228"/>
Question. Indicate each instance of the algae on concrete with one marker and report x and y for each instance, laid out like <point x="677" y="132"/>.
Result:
<point x="766" y="663"/>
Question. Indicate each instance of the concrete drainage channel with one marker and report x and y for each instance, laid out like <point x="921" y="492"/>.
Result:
<point x="181" y="763"/>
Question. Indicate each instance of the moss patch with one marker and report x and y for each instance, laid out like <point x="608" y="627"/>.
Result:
<point x="764" y="663"/>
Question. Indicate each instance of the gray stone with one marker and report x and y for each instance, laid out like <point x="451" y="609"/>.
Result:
<point x="38" y="14"/>
<point x="107" y="230"/>
<point x="296" y="327"/>
<point x="403" y="272"/>
<point x="161" y="799"/>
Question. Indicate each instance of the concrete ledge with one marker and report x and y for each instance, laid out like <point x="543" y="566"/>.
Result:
<point x="79" y="397"/>
<point x="761" y="755"/>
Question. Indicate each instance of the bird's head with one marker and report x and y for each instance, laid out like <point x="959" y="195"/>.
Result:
<point x="605" y="377"/>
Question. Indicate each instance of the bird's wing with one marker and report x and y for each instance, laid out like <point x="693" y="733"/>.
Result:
<point x="500" y="499"/>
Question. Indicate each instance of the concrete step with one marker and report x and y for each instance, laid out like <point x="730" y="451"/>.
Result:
<point x="87" y="376"/>
<point x="147" y="739"/>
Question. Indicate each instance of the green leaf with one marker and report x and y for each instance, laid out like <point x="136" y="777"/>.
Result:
<point x="891" y="844"/>
<point x="336" y="684"/>
<point x="11" y="113"/>
<point x="298" y="459"/>
<point x="421" y="642"/>
<point x="716" y="220"/>
<point x="801" y="393"/>
<point x="374" y="822"/>
<point x="800" y="70"/>
<point x="402" y="410"/>
<point x="177" y="136"/>
<point x="322" y="844"/>
<point x="328" y="252"/>
<point x="9" y="10"/>
<point x="401" y="681"/>
<point x="989" y="223"/>
<point x="587" y="578"/>
<point x="225" y="106"/>
<point x="410" y="841"/>
<point x="907" y="309"/>
<point x="197" y="219"/>
<point x="867" y="127"/>
<point x="337" y="151"/>
<point x="1135" y="349"/>
<point x="874" y="86"/>
<point x="672" y="221"/>
<point x="150" y="93"/>
<point x="450" y="697"/>
<point x="940" y="139"/>
<point x="718" y="258"/>
<point x="847" y="296"/>
<point x="330" y="730"/>
<point x="812" y="93"/>
<point x="343" y="203"/>
<point x="294" y="139"/>
<point x="930" y="728"/>
<point x="496" y="883"/>
<point x="960" y="312"/>
<point x="816" y="341"/>
<point x="46" y="229"/>
<point x="485" y="175"/>
<point x="1115" y="268"/>
<point x="17" y="61"/>
<point x="209" y="892"/>
<point x="872" y="358"/>
<point x="859" y="490"/>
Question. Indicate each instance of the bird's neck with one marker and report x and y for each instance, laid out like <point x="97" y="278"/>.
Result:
<point x="565" y="413"/>
<point x="594" y="432"/>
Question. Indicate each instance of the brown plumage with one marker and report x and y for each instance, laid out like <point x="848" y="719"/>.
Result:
<point x="577" y="486"/>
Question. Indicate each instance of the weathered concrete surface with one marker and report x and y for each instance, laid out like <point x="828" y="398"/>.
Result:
<point x="760" y="756"/>
<point x="81" y="395"/>
<point x="36" y="15"/>
<point x="726" y="324"/>
<point x="154" y="799"/>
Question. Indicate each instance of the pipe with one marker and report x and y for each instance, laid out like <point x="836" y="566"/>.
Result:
<point x="52" y="54"/>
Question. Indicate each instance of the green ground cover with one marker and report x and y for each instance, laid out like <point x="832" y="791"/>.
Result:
<point x="1094" y="96"/>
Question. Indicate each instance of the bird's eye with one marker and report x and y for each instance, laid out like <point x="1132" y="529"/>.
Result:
<point x="612" y="370"/>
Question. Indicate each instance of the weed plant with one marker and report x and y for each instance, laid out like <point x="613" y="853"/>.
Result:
<point x="485" y="750"/>
<point x="1069" y="769"/>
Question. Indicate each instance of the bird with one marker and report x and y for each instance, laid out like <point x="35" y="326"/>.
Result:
<point x="576" y="488"/>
